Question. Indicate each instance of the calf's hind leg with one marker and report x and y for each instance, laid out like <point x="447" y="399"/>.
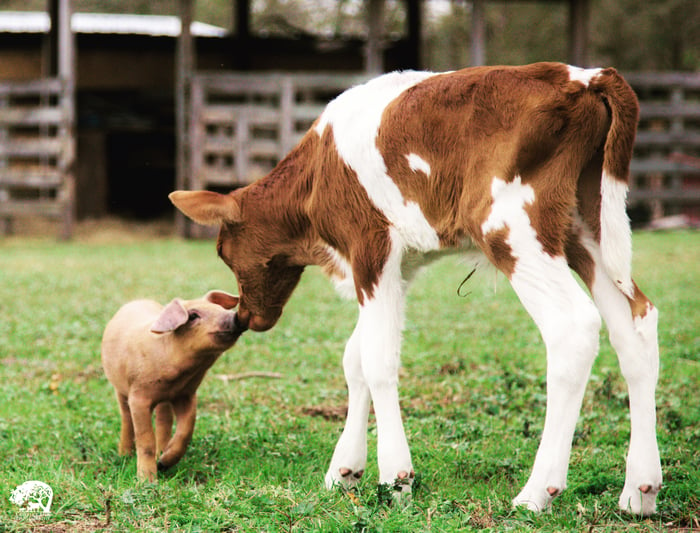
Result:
<point x="566" y="317"/>
<point x="569" y="325"/>
<point x="632" y="327"/>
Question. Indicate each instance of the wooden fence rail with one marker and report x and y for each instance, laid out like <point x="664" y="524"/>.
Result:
<point x="243" y="124"/>
<point x="666" y="164"/>
<point x="36" y="152"/>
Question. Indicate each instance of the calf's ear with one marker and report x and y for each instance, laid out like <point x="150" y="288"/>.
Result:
<point x="171" y="317"/>
<point x="207" y="207"/>
<point x="224" y="299"/>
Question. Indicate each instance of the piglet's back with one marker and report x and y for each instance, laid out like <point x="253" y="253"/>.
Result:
<point x="127" y="332"/>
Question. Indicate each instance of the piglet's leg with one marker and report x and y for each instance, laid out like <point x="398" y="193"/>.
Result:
<point x="141" y="411"/>
<point x="126" y="438"/>
<point x="164" y="426"/>
<point x="185" y="414"/>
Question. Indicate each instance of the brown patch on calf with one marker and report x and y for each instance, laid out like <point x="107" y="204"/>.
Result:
<point x="499" y="251"/>
<point x="343" y="216"/>
<point x="579" y="259"/>
<point x="476" y="124"/>
<point x="640" y="304"/>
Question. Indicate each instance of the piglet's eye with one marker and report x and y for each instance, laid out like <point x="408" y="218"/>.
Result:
<point x="192" y="316"/>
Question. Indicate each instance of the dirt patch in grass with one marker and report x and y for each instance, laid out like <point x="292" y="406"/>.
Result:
<point x="329" y="412"/>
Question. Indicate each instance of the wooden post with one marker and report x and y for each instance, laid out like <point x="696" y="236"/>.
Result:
<point x="184" y="67"/>
<point x="242" y="19"/>
<point x="65" y="70"/>
<point x="478" y="49"/>
<point x="241" y="37"/>
<point x="286" y="121"/>
<point x="374" y="51"/>
<point x="414" y="10"/>
<point x="5" y="222"/>
<point x="578" y="32"/>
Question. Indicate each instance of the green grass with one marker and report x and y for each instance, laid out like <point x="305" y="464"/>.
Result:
<point x="472" y="388"/>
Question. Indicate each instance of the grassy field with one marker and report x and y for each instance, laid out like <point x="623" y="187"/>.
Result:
<point x="472" y="387"/>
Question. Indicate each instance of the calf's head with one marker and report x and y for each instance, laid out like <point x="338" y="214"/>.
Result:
<point x="254" y="246"/>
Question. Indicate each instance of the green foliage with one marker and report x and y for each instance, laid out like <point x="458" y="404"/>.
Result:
<point x="472" y="388"/>
<point x="628" y="34"/>
<point x="659" y="35"/>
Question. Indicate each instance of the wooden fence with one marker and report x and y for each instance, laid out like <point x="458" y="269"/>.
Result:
<point x="243" y="124"/>
<point x="36" y="152"/>
<point x="666" y="164"/>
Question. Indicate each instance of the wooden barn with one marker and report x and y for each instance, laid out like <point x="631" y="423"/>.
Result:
<point x="106" y="113"/>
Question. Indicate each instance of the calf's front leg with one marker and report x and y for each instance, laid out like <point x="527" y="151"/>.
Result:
<point x="350" y="455"/>
<point x="371" y="364"/>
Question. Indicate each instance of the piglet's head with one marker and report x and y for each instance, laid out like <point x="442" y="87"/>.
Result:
<point x="254" y="246"/>
<point x="201" y="326"/>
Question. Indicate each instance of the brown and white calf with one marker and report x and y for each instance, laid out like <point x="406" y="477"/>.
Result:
<point x="528" y="163"/>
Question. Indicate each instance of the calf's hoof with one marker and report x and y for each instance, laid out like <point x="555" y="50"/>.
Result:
<point x="640" y="500"/>
<point x="537" y="499"/>
<point x="344" y="477"/>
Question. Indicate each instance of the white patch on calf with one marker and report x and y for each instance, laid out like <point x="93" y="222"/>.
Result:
<point x="615" y="233"/>
<point x="509" y="199"/>
<point x="418" y="164"/>
<point x="355" y="117"/>
<point x="583" y="75"/>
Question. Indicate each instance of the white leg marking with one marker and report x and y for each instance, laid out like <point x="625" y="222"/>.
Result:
<point x="635" y="341"/>
<point x="350" y="455"/>
<point x="569" y="324"/>
<point x="418" y="164"/>
<point x="382" y="322"/>
<point x="583" y="75"/>
<point x="355" y="117"/>
<point x="615" y="233"/>
<point x="371" y="364"/>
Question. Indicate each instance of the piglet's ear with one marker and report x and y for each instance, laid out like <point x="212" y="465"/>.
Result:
<point x="207" y="207"/>
<point x="171" y="317"/>
<point x="224" y="299"/>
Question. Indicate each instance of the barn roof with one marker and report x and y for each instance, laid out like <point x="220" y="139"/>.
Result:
<point x="108" y="23"/>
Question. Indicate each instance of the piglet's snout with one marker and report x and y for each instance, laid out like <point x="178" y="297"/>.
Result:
<point x="230" y="328"/>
